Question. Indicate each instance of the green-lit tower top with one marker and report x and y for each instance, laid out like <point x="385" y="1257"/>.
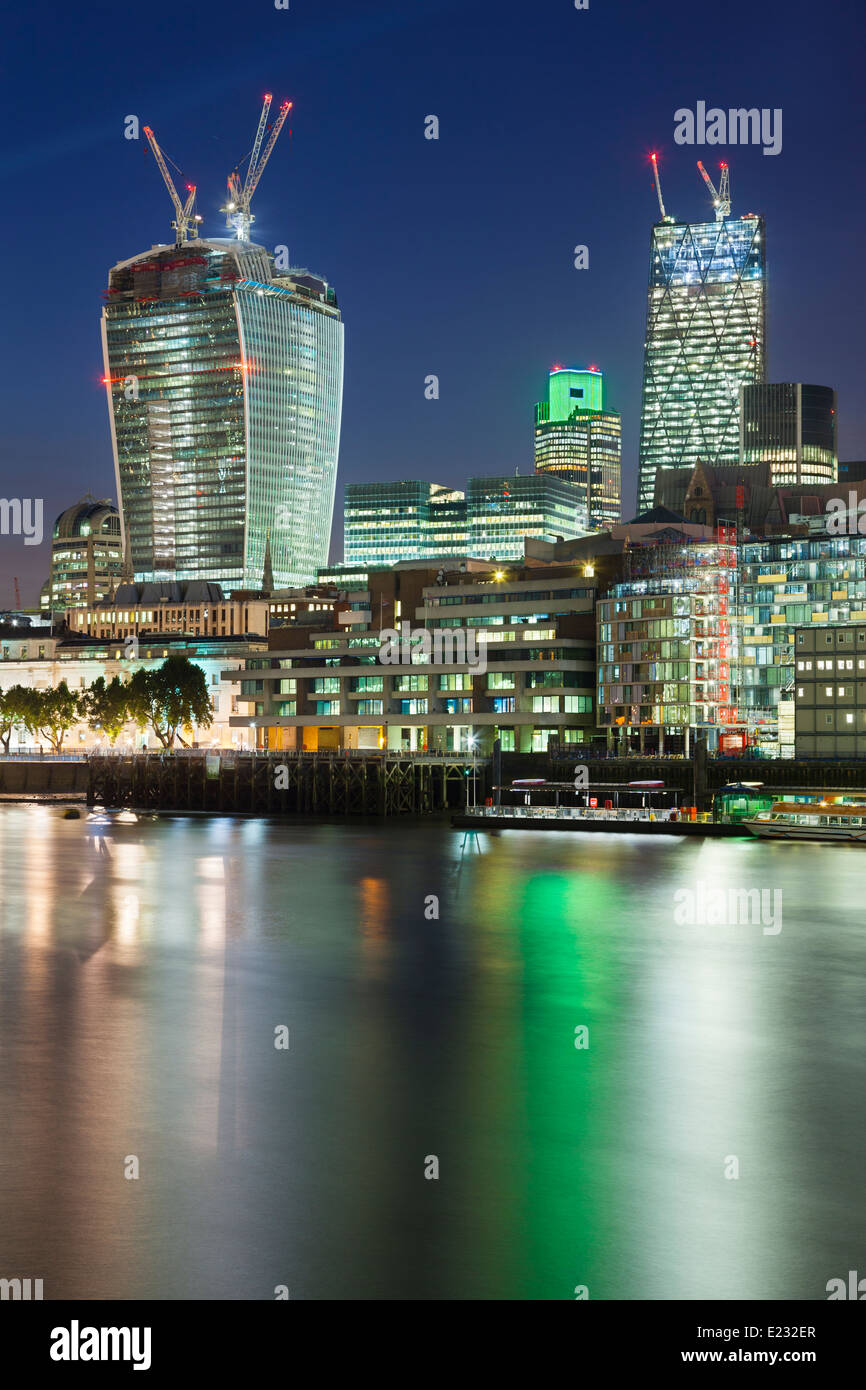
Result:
<point x="568" y="390"/>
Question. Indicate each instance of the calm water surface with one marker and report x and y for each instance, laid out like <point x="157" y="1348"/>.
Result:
<point x="144" y="968"/>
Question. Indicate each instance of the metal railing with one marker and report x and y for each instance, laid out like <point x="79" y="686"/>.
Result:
<point x="579" y="813"/>
<point x="46" y="756"/>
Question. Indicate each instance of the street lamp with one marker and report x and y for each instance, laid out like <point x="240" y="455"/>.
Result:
<point x="471" y="743"/>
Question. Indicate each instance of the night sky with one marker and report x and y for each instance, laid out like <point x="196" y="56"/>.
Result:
<point x="452" y="257"/>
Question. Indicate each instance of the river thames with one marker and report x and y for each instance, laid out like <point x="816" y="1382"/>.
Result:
<point x="617" y="1100"/>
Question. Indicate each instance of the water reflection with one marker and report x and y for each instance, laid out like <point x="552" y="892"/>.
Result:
<point x="145" y="965"/>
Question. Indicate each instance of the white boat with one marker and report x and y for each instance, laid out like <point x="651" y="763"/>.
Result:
<point x="816" y="820"/>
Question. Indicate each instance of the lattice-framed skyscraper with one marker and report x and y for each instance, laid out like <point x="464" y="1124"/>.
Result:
<point x="705" y="338"/>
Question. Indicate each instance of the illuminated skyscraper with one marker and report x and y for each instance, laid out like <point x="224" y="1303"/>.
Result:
<point x="705" y="339"/>
<point x="225" y="383"/>
<point x="580" y="441"/>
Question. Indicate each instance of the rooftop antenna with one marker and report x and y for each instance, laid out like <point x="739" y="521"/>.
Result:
<point x="237" y="207"/>
<point x="722" y="198"/>
<point x="655" y="163"/>
<point x="185" y="220"/>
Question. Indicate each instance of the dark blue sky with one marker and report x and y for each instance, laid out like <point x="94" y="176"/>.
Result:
<point x="452" y="257"/>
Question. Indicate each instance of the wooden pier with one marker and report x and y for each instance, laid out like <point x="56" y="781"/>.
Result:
<point x="316" y="784"/>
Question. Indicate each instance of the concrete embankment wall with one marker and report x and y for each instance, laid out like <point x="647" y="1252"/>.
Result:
<point x="42" y="777"/>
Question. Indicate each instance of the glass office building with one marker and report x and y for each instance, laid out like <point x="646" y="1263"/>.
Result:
<point x="503" y="512"/>
<point x="385" y="523"/>
<point x="792" y="427"/>
<point x="579" y="440"/>
<point x="705" y="339"/>
<point x="225" y="387"/>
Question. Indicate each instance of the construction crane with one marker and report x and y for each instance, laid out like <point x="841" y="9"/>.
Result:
<point x="722" y="198"/>
<point x="237" y="207"/>
<point x="655" y="163"/>
<point x="186" y="222"/>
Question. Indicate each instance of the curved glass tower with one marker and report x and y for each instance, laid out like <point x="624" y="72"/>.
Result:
<point x="225" y="387"/>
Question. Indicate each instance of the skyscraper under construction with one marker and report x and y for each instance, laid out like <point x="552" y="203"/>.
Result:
<point x="705" y="337"/>
<point x="224" y="377"/>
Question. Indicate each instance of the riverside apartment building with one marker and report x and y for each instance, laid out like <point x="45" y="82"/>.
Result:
<point x="483" y="652"/>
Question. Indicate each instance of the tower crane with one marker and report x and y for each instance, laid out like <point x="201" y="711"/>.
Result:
<point x="237" y="207"/>
<point x="186" y="222"/>
<point x="722" y="198"/>
<point x="655" y="163"/>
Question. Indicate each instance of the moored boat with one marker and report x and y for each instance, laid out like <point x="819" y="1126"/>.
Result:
<point x="817" y="820"/>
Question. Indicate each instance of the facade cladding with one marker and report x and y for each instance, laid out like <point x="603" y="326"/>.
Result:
<point x="577" y="439"/>
<point x="792" y="427"/>
<point x="225" y="389"/>
<point x="385" y="523"/>
<point x="705" y="339"/>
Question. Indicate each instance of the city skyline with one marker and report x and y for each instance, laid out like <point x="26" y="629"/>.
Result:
<point x="433" y="772"/>
<point x="333" y="201"/>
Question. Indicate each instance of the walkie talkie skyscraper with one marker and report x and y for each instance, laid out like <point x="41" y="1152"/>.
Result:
<point x="225" y="380"/>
